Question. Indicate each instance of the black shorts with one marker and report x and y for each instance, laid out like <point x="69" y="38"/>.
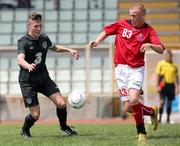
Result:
<point x="30" y="89"/>
<point x="168" y="91"/>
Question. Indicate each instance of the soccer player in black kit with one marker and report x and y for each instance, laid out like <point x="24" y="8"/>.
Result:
<point x="34" y="77"/>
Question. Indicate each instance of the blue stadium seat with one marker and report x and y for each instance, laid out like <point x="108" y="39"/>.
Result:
<point x="14" y="75"/>
<point x="79" y="75"/>
<point x="63" y="75"/>
<point x="80" y="26"/>
<point x="5" y="27"/>
<point x="79" y="38"/>
<point x="50" y="15"/>
<point x="95" y="75"/>
<point x="66" y="4"/>
<point x="62" y="65"/>
<point x="66" y="15"/>
<point x="15" y="89"/>
<point x="96" y="15"/>
<point x="111" y="15"/>
<point x="16" y="37"/>
<point x="111" y="4"/>
<point x="80" y="15"/>
<point x="4" y="75"/>
<point x="6" y="15"/>
<point x="49" y="4"/>
<point x="3" y="87"/>
<point x="5" y="39"/>
<point x="20" y="27"/>
<point x="50" y="27"/>
<point x="64" y="38"/>
<point x="21" y="15"/>
<point x="95" y="26"/>
<point x="95" y="87"/>
<point x="78" y="86"/>
<point x="64" y="87"/>
<point x="38" y="4"/>
<point x="65" y="26"/>
<point x="81" y="4"/>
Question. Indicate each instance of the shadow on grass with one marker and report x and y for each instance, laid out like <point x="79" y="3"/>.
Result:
<point x="164" y="137"/>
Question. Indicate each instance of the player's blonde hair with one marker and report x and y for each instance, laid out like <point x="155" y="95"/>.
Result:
<point x="139" y="6"/>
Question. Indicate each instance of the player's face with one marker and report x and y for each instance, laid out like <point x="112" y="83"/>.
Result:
<point x="137" y="17"/>
<point x="168" y="57"/>
<point x="35" y="27"/>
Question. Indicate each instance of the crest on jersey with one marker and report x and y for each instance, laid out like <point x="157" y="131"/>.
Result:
<point x="44" y="44"/>
<point x="29" y="100"/>
<point x="31" y="47"/>
<point x="140" y="37"/>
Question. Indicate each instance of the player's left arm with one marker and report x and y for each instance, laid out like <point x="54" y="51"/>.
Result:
<point x="154" y="44"/>
<point x="60" y="48"/>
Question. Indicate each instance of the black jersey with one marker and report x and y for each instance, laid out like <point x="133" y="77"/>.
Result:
<point x="35" y="51"/>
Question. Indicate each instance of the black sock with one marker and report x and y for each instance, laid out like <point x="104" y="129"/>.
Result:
<point x="168" y="113"/>
<point x="141" y="129"/>
<point x="62" y="116"/>
<point x="160" y="113"/>
<point x="29" y="122"/>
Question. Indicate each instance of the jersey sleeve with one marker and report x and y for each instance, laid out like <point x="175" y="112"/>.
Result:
<point x="21" y="46"/>
<point x="49" y="43"/>
<point x="112" y="28"/>
<point x="154" y="38"/>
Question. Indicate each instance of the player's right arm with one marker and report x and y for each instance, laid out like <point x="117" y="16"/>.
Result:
<point x="107" y="30"/>
<point x="21" y="56"/>
<point x="100" y="38"/>
<point x="24" y="64"/>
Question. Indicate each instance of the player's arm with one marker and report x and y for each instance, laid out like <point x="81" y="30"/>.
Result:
<point x="24" y="64"/>
<point x="99" y="39"/>
<point x="157" y="48"/>
<point x="60" y="48"/>
<point x="177" y="85"/>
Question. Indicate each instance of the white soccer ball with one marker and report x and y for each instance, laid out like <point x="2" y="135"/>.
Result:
<point x="77" y="99"/>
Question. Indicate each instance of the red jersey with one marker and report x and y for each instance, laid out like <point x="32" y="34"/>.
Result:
<point x="129" y="40"/>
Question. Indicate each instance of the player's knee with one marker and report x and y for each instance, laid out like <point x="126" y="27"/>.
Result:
<point x="61" y="104"/>
<point x="35" y="115"/>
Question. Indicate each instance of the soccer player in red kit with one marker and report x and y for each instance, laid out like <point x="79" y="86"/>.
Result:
<point x="133" y="38"/>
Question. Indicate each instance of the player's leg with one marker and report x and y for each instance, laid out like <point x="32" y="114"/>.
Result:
<point x="31" y="101"/>
<point x="171" y="97"/>
<point x="61" y="112"/>
<point x="51" y="90"/>
<point x="169" y="107"/>
<point x="161" y="107"/>
<point x="29" y="121"/>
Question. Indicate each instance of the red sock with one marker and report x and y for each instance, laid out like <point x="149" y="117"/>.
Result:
<point x="148" y="111"/>
<point x="138" y="114"/>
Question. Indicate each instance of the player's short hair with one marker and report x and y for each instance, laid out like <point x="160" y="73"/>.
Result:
<point x="140" y="6"/>
<point x="169" y="52"/>
<point x="35" y="16"/>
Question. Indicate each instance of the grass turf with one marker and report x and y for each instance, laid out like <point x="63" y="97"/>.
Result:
<point x="90" y="135"/>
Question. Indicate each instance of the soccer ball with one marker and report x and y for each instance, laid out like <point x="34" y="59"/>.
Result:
<point x="77" y="99"/>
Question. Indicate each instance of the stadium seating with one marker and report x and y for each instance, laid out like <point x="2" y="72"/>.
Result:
<point x="164" y="16"/>
<point x="70" y="24"/>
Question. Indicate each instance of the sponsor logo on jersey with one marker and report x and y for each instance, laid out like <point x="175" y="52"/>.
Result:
<point x="31" y="47"/>
<point x="140" y="37"/>
<point x="44" y="44"/>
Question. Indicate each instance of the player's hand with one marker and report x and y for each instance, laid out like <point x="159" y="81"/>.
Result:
<point x="93" y="44"/>
<point x="158" y="89"/>
<point x="31" y="67"/>
<point x="145" y="47"/>
<point x="75" y="53"/>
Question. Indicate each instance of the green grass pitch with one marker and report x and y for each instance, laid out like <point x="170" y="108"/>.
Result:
<point x="90" y="135"/>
